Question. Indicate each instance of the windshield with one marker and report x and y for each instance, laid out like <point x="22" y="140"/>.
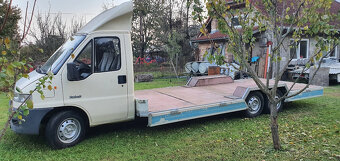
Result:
<point x="55" y="62"/>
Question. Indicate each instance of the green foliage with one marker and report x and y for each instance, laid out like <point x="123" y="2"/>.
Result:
<point x="173" y="47"/>
<point x="153" y="22"/>
<point x="11" y="65"/>
<point x="160" y="83"/>
<point x="11" y="27"/>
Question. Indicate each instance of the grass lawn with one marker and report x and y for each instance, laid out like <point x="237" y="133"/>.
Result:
<point x="159" y="83"/>
<point x="309" y="130"/>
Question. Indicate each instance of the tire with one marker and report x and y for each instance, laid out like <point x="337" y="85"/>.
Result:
<point x="279" y="108"/>
<point x="65" y="129"/>
<point x="255" y="103"/>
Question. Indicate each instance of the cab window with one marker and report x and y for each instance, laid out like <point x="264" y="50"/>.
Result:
<point x="84" y="61"/>
<point x="107" y="54"/>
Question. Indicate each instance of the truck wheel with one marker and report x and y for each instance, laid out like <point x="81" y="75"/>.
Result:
<point x="279" y="105"/>
<point x="255" y="103"/>
<point x="65" y="129"/>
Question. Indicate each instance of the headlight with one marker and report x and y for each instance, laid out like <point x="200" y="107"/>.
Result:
<point x="20" y="97"/>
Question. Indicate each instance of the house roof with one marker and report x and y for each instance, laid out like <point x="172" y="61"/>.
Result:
<point x="215" y="36"/>
<point x="335" y="9"/>
<point x="218" y="35"/>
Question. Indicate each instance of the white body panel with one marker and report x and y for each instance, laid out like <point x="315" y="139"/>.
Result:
<point x="53" y="98"/>
<point x="101" y="96"/>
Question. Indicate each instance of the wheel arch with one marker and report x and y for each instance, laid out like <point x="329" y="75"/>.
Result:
<point x="244" y="92"/>
<point x="55" y="110"/>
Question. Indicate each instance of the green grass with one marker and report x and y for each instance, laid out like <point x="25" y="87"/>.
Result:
<point x="159" y="83"/>
<point x="161" y="74"/>
<point x="309" y="130"/>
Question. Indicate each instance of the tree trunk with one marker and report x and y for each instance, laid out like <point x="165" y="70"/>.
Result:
<point x="173" y="66"/>
<point x="274" y="126"/>
<point x="170" y="18"/>
<point x="176" y="62"/>
<point x="187" y="21"/>
<point x="141" y="38"/>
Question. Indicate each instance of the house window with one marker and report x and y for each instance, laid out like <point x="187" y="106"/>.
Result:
<point x="235" y="21"/>
<point x="208" y="53"/>
<point x="301" y="50"/>
<point x="334" y="53"/>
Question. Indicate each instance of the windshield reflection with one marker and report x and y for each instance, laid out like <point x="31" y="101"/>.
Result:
<point x="55" y="62"/>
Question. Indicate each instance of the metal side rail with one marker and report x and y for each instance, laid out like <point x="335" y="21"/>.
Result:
<point x="308" y="93"/>
<point x="188" y="113"/>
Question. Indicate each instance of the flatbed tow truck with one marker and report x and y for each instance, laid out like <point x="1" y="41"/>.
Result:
<point x="94" y="75"/>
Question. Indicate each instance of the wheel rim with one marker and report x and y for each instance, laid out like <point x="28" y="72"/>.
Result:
<point x="69" y="130"/>
<point x="254" y="104"/>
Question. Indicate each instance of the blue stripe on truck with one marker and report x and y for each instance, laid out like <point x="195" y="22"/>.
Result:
<point x="204" y="112"/>
<point x="305" y="95"/>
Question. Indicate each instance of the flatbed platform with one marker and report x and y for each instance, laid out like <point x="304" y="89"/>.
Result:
<point x="173" y="104"/>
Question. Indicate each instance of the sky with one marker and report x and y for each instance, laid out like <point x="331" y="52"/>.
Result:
<point x="79" y="9"/>
<point x="85" y="9"/>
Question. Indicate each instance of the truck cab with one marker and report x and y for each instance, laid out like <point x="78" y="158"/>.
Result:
<point x="93" y="80"/>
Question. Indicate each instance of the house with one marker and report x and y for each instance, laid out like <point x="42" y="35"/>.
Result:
<point x="301" y="54"/>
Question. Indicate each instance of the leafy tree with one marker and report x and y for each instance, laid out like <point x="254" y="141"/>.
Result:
<point x="278" y="20"/>
<point x="13" y="67"/>
<point x="154" y="21"/>
<point x="9" y="20"/>
<point x="146" y="23"/>
<point x="174" y="50"/>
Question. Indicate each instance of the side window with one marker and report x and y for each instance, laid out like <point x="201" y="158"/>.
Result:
<point x="293" y="54"/>
<point x="85" y="56"/>
<point x="84" y="61"/>
<point x="107" y="55"/>
<point x="301" y="50"/>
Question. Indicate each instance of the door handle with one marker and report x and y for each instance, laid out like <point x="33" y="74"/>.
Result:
<point x="122" y="79"/>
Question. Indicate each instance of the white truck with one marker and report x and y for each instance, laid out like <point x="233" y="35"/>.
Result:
<point x="93" y="73"/>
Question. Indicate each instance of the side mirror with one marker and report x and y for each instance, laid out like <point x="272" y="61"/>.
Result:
<point x="72" y="72"/>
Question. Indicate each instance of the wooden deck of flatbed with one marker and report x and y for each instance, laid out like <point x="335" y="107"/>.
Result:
<point x="167" y="100"/>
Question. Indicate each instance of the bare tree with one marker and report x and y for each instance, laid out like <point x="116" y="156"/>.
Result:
<point x="50" y="33"/>
<point x="108" y="5"/>
<point x="76" y="25"/>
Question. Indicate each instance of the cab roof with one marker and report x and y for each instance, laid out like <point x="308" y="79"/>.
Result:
<point x="116" y="18"/>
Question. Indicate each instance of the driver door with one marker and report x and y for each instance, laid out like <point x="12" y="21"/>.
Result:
<point x="102" y="91"/>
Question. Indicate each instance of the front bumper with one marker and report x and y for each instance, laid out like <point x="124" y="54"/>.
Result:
<point x="32" y="122"/>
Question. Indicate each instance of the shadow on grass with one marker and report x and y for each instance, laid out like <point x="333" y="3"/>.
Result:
<point x="140" y="125"/>
<point x="18" y="141"/>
